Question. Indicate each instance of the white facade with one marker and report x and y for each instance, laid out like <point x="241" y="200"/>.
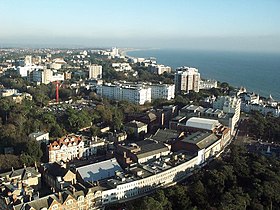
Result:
<point x="92" y="148"/>
<point x="208" y="84"/>
<point x="187" y="79"/>
<point x="159" y="69"/>
<point x="40" y="136"/>
<point x="57" y="77"/>
<point x="26" y="70"/>
<point x="264" y="109"/>
<point x="57" y="63"/>
<point x="66" y="153"/>
<point x="95" y="72"/>
<point x="124" y="190"/>
<point x="28" y="60"/>
<point x="121" y="66"/>
<point x="48" y="76"/>
<point x="230" y="105"/>
<point x="139" y="93"/>
<point x="114" y="52"/>
<point x="164" y="91"/>
<point x="45" y="76"/>
<point x="8" y="92"/>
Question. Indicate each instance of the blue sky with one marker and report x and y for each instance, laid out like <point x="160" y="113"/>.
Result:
<point x="194" y="24"/>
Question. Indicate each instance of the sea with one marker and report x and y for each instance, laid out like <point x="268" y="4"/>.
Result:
<point x="257" y="72"/>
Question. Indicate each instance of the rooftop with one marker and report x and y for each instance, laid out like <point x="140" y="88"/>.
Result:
<point x="22" y="173"/>
<point x="135" y="124"/>
<point x="202" y="123"/>
<point x="100" y="170"/>
<point x="151" y="149"/>
<point x="201" y="139"/>
<point x="166" y="135"/>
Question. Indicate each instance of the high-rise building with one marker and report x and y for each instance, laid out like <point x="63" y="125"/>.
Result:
<point x="28" y="60"/>
<point x="115" y="52"/>
<point x="95" y="72"/>
<point x="186" y="79"/>
<point x="44" y="76"/>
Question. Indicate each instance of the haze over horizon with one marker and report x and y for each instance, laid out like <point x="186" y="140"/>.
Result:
<point x="189" y="24"/>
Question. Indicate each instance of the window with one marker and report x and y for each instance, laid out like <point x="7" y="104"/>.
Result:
<point x="81" y="198"/>
<point x="54" y="207"/>
<point x="69" y="202"/>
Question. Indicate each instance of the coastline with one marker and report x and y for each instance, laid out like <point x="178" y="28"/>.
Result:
<point x="124" y="51"/>
<point x="256" y="72"/>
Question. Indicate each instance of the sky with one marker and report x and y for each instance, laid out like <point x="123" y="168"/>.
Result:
<point x="246" y="25"/>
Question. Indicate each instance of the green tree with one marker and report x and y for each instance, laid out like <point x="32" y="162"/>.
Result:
<point x="8" y="161"/>
<point x="149" y="203"/>
<point x="33" y="149"/>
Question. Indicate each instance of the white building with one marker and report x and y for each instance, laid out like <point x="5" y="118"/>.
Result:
<point x="114" y="52"/>
<point x="203" y="123"/>
<point x="58" y="63"/>
<point x="40" y="136"/>
<point x="8" y="92"/>
<point x="163" y="91"/>
<point x="262" y="108"/>
<point x="45" y="76"/>
<point x="139" y="95"/>
<point x="121" y="66"/>
<point x="160" y="174"/>
<point x="24" y="71"/>
<point x="28" y="60"/>
<point x="186" y="79"/>
<point x="100" y="170"/>
<point x="66" y="148"/>
<point x="57" y="77"/>
<point x="230" y="105"/>
<point x="136" y="93"/>
<point x="95" y="72"/>
<point x="208" y="84"/>
<point x="159" y="69"/>
<point x="41" y="76"/>
<point x="72" y="147"/>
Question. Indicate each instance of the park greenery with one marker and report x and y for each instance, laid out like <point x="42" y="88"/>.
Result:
<point x="266" y="128"/>
<point x="241" y="180"/>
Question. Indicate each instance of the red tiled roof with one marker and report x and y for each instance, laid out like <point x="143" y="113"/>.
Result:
<point x="65" y="140"/>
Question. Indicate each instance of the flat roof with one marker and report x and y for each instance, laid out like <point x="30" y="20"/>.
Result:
<point x="100" y="170"/>
<point x="151" y="149"/>
<point x="201" y="139"/>
<point x="165" y="135"/>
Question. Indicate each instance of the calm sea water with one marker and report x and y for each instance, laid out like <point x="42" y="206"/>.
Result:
<point x="258" y="72"/>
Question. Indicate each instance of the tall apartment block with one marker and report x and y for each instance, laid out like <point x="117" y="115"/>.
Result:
<point x="95" y="71"/>
<point x="186" y="79"/>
